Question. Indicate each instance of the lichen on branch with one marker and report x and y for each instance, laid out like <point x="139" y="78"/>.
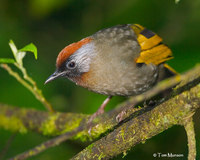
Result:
<point x="139" y="124"/>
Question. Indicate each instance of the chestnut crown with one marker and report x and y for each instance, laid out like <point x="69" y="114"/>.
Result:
<point x="73" y="60"/>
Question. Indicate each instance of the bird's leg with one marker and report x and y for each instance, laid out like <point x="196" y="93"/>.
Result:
<point x="100" y="110"/>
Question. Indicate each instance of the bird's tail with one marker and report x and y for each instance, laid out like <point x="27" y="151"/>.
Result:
<point x="165" y="71"/>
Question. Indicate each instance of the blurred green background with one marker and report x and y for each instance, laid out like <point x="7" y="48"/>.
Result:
<point x="53" y="24"/>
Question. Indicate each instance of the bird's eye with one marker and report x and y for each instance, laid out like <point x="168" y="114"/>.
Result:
<point x="71" y="65"/>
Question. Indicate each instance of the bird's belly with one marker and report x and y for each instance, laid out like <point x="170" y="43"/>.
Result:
<point x="119" y="88"/>
<point x="127" y="84"/>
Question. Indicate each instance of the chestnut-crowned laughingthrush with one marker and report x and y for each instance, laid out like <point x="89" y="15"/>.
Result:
<point x="123" y="60"/>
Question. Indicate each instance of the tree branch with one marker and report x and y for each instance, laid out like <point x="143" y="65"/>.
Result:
<point x="50" y="143"/>
<point x="138" y="124"/>
<point x="145" y="126"/>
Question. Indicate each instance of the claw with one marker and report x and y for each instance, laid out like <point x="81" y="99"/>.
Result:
<point x="120" y="116"/>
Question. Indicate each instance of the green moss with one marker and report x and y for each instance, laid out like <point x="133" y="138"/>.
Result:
<point x="101" y="156"/>
<point x="124" y="154"/>
<point x="31" y="153"/>
<point x="12" y="123"/>
<point x="143" y="141"/>
<point x="122" y="134"/>
<point x="48" y="127"/>
<point x="74" y="124"/>
<point x="89" y="148"/>
<point x="83" y="136"/>
<point x="165" y="119"/>
<point x="158" y="118"/>
<point x="139" y="107"/>
<point x="41" y="147"/>
<point x="198" y="93"/>
<point x="96" y="131"/>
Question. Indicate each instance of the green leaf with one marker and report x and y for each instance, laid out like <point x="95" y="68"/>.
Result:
<point x="7" y="60"/>
<point x="13" y="48"/>
<point x="30" y="48"/>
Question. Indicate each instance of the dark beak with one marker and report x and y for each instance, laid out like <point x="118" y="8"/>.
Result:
<point x="55" y="75"/>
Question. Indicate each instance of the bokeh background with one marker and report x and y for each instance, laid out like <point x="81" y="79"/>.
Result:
<point x="53" y="24"/>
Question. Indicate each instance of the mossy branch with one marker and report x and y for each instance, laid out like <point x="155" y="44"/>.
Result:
<point x="138" y="124"/>
<point x="23" y="120"/>
<point x="143" y="127"/>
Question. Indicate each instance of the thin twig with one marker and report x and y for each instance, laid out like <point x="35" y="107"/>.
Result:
<point x="24" y="72"/>
<point x="17" y="77"/>
<point x="33" y="89"/>
<point x="7" y="146"/>
<point x="50" y="143"/>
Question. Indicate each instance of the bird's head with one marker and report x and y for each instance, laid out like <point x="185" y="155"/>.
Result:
<point x="74" y="60"/>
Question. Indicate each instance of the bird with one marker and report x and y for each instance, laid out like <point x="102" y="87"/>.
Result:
<point x="123" y="60"/>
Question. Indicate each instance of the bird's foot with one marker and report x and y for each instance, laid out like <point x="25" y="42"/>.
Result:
<point x="93" y="116"/>
<point x="98" y="112"/>
<point x="120" y="116"/>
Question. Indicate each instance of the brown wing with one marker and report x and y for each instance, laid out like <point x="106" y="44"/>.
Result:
<point x="152" y="49"/>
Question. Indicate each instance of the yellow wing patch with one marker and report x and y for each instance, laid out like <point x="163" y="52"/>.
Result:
<point x="155" y="55"/>
<point x="152" y="49"/>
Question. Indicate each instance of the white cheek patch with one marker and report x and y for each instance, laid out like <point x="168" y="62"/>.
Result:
<point x="83" y="56"/>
